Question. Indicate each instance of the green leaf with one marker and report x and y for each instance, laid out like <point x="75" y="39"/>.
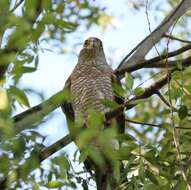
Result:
<point x="183" y="112"/>
<point x="151" y="176"/>
<point x="19" y="70"/>
<point x="4" y="100"/>
<point x="109" y="103"/>
<point x="118" y="90"/>
<point x="62" y="160"/>
<point x="126" y="137"/>
<point x="20" y="96"/>
<point x="4" y="166"/>
<point x="35" y="186"/>
<point x="138" y="91"/>
<point x="176" y="75"/>
<point x="128" y="81"/>
<point x="175" y="92"/>
<point x="27" y="69"/>
<point x="124" y="152"/>
<point x="55" y="184"/>
<point x="166" y="125"/>
<point x="83" y="155"/>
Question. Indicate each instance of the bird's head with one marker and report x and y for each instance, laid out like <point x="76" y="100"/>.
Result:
<point x="92" y="48"/>
<point x="93" y="43"/>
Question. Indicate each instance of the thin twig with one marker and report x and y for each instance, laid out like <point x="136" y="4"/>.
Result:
<point x="16" y="5"/>
<point x="154" y="125"/>
<point x="152" y="63"/>
<point x="149" y="24"/>
<point x="165" y="101"/>
<point x="143" y="123"/>
<point x="177" y="39"/>
<point x="148" y="92"/>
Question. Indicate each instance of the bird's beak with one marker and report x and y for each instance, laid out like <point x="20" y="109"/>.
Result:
<point x="91" y="44"/>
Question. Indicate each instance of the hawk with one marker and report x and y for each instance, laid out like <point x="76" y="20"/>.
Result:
<point x="90" y="82"/>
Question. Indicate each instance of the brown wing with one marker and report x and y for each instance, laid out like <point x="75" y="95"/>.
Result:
<point x="67" y="105"/>
<point x="120" y="118"/>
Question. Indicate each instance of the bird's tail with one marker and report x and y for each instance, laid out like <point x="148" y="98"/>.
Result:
<point x="101" y="181"/>
<point x="107" y="178"/>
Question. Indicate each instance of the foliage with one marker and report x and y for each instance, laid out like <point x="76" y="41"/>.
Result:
<point x="155" y="149"/>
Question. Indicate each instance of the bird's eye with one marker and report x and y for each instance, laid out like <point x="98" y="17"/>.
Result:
<point x="86" y="43"/>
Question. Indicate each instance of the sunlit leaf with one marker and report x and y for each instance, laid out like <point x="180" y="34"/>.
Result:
<point x="55" y="184"/>
<point x="119" y="90"/>
<point x="109" y="103"/>
<point x="62" y="160"/>
<point x="128" y="81"/>
<point x="20" y="96"/>
<point x="138" y="91"/>
<point x="4" y="102"/>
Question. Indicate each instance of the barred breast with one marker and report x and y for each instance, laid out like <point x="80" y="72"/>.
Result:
<point x="89" y="84"/>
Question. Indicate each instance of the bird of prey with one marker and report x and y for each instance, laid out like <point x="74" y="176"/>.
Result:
<point x="90" y="82"/>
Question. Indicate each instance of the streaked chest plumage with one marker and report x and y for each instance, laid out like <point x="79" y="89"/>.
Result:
<point x="90" y="83"/>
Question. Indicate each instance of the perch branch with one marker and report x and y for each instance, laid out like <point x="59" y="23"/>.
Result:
<point x="35" y="114"/>
<point x="152" y="64"/>
<point x="139" y="54"/>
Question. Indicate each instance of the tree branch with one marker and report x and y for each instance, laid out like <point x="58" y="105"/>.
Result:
<point x="151" y="63"/>
<point x="177" y="39"/>
<point x="165" y="101"/>
<point x="171" y="64"/>
<point x="16" y="5"/>
<point x="154" y="125"/>
<point x="143" y="123"/>
<point x="148" y="92"/>
<point x="147" y="44"/>
<point x="54" y="147"/>
<point x="35" y="114"/>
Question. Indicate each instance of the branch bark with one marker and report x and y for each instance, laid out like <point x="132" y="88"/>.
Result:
<point x="146" y="45"/>
<point x="28" y="118"/>
<point x="148" y="92"/>
<point x="153" y="63"/>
